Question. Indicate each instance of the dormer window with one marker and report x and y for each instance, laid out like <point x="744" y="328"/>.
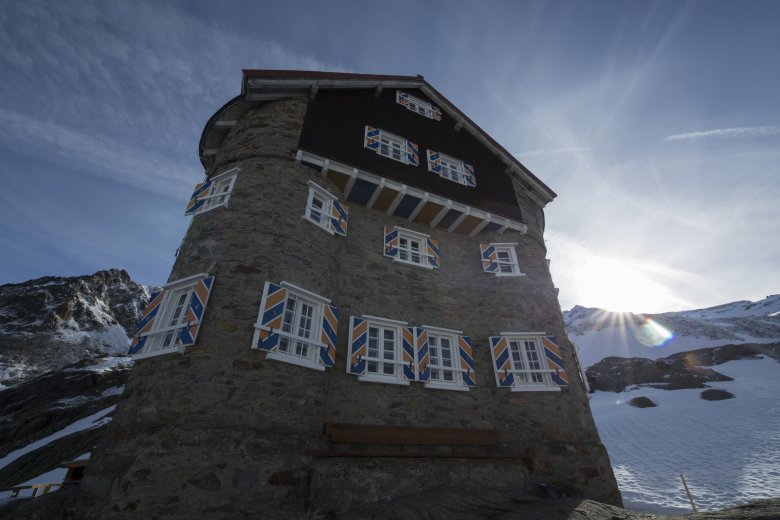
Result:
<point x="417" y="105"/>
<point x="391" y="146"/>
<point x="451" y="169"/>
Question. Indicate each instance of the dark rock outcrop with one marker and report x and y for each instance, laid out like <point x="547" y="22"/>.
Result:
<point x="716" y="394"/>
<point x="642" y="402"/>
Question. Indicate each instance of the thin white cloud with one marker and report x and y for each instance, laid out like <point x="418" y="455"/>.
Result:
<point x="740" y="131"/>
<point x="552" y="151"/>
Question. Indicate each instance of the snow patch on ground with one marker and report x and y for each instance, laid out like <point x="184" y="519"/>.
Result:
<point x="729" y="451"/>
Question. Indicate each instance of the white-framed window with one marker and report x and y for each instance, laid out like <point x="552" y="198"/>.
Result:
<point x="444" y="362"/>
<point x="500" y="259"/>
<point x="377" y="353"/>
<point x="520" y="362"/>
<point x="325" y="211"/>
<point x="172" y="318"/>
<point x="417" y="105"/>
<point x="212" y="193"/>
<point x="451" y="168"/>
<point x="411" y="247"/>
<point x="296" y="326"/>
<point x="391" y="146"/>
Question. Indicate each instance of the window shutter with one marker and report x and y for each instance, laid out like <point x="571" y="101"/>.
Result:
<point x="434" y="162"/>
<point x="371" y="139"/>
<point x="412" y="155"/>
<point x="489" y="258"/>
<point x="468" y="175"/>
<point x="358" y="346"/>
<point x="147" y="322"/>
<point x="466" y="353"/>
<point x="499" y="349"/>
<point x="391" y="242"/>
<point x="555" y="360"/>
<point x="407" y="344"/>
<point x="330" y="324"/>
<point x="423" y="355"/>
<point x="194" y="314"/>
<point x="270" y="317"/>
<point x="402" y="98"/>
<point x="435" y="113"/>
<point x="198" y="198"/>
<point x="434" y="256"/>
<point x="339" y="218"/>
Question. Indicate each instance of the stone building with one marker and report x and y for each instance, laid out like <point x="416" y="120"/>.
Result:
<point x="361" y="309"/>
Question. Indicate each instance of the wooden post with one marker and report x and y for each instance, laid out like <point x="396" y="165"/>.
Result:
<point x="688" y="492"/>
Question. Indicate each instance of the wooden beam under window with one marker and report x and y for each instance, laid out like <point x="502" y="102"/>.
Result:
<point x="375" y="195"/>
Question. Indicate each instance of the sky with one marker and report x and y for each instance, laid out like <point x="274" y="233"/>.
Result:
<point x="657" y="123"/>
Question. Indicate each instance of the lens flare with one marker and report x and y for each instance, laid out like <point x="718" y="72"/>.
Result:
<point x="651" y="334"/>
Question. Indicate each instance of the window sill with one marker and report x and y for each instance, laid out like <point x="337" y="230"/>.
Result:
<point x="412" y="264"/>
<point x="381" y="379"/>
<point x="444" y="386"/>
<point x="536" y="388"/>
<point x="328" y="230"/>
<point x="156" y="353"/>
<point x="293" y="360"/>
<point x="516" y="275"/>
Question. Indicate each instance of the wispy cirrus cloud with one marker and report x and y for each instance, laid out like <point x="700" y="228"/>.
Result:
<point x="739" y="131"/>
<point x="552" y="151"/>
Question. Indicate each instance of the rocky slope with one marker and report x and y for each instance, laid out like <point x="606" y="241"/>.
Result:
<point x="50" y="322"/>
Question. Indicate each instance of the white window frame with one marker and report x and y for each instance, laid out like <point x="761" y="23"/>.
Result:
<point x="392" y="138"/>
<point x="164" y="339"/>
<point x="543" y="372"/>
<point x="453" y="165"/>
<point x="313" y="342"/>
<point x="457" y="382"/>
<point x="383" y="324"/>
<point x="415" y="104"/>
<point x="316" y="191"/>
<point x="220" y="191"/>
<point x="513" y="264"/>
<point x="413" y="236"/>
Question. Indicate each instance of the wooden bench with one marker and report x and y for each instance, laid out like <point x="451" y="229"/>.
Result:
<point x="403" y="437"/>
<point x="36" y="490"/>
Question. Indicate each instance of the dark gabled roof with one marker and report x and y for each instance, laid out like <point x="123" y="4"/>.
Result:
<point x="260" y="85"/>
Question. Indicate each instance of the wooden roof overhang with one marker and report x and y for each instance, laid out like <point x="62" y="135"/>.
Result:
<point x="266" y="85"/>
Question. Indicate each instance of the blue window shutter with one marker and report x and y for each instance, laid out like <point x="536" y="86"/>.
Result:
<point x="339" y="218"/>
<point x="555" y="361"/>
<point x="499" y="349"/>
<point x="358" y="346"/>
<point x="195" y="310"/>
<point x="489" y="258"/>
<point x="466" y="353"/>
<point x="391" y="242"/>
<point x="371" y="139"/>
<point x="402" y="98"/>
<point x="434" y="162"/>
<point x="147" y="322"/>
<point x="434" y="256"/>
<point x="198" y="198"/>
<point x="412" y="154"/>
<point x="270" y="317"/>
<point x="423" y="355"/>
<point x="468" y="175"/>
<point x="435" y="113"/>
<point x="407" y="344"/>
<point x="330" y="325"/>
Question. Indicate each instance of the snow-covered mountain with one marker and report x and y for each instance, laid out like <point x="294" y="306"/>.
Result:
<point x="599" y="333"/>
<point x="49" y="322"/>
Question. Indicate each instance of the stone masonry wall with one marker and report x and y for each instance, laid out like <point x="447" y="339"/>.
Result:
<point x="221" y="432"/>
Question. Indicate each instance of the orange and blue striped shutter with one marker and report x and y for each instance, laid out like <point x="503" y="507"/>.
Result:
<point x="434" y="162"/>
<point x="147" y="322"/>
<point x="358" y="346"/>
<point x="371" y="139"/>
<point x="407" y="351"/>
<point x="195" y="310"/>
<point x="466" y="353"/>
<point x="555" y="361"/>
<point x="198" y="198"/>
<point x="423" y="355"/>
<point x="339" y="218"/>
<point x="412" y="154"/>
<point x="468" y="175"/>
<point x="391" y="242"/>
<point x="330" y="324"/>
<point x="499" y="349"/>
<point x="271" y="316"/>
<point x="434" y="255"/>
<point x="489" y="258"/>
<point x="435" y="113"/>
<point x="402" y="98"/>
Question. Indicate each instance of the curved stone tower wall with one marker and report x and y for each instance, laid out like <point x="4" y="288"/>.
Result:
<point x="221" y="432"/>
